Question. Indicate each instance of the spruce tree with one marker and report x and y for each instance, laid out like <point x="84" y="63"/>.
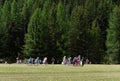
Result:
<point x="95" y="51"/>
<point x="113" y="37"/>
<point x="32" y="38"/>
<point x="15" y="34"/>
<point x="37" y="39"/>
<point x="45" y="32"/>
<point x="78" y="30"/>
<point x="103" y="10"/>
<point x="4" y="22"/>
<point x="62" y="28"/>
<point x="52" y="25"/>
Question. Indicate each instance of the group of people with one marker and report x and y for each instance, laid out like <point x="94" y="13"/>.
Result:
<point x="31" y="60"/>
<point x="37" y="61"/>
<point x="66" y="60"/>
<point x="77" y="61"/>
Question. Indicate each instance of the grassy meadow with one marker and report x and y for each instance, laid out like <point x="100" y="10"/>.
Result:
<point x="23" y="72"/>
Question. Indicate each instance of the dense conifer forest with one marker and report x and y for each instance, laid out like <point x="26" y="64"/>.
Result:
<point x="54" y="28"/>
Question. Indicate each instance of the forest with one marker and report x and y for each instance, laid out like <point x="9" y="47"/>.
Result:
<point x="57" y="28"/>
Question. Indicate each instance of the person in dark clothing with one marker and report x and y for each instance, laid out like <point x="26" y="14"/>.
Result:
<point x="53" y="60"/>
<point x="83" y="62"/>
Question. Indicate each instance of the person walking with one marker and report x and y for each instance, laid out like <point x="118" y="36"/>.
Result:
<point x="53" y="60"/>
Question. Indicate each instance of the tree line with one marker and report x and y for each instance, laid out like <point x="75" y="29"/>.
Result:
<point x="57" y="28"/>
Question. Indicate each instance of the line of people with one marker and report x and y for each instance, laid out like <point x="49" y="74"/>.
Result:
<point x="37" y="61"/>
<point x="76" y="61"/>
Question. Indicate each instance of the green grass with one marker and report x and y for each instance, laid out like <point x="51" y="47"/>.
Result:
<point x="14" y="72"/>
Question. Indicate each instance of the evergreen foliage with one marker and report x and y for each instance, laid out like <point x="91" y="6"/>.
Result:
<point x="78" y="30"/>
<point x="32" y="37"/>
<point x="62" y="29"/>
<point x="54" y="28"/>
<point x="4" y="26"/>
<point x="113" y="36"/>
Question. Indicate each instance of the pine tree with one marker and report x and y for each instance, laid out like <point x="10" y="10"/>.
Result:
<point x="4" y="22"/>
<point x="113" y="37"/>
<point x="103" y="10"/>
<point x="52" y="25"/>
<point x="95" y="50"/>
<point x="32" y="38"/>
<point x="78" y="30"/>
<point x="38" y="33"/>
<point x="45" y="32"/>
<point x="62" y="28"/>
<point x="15" y="34"/>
